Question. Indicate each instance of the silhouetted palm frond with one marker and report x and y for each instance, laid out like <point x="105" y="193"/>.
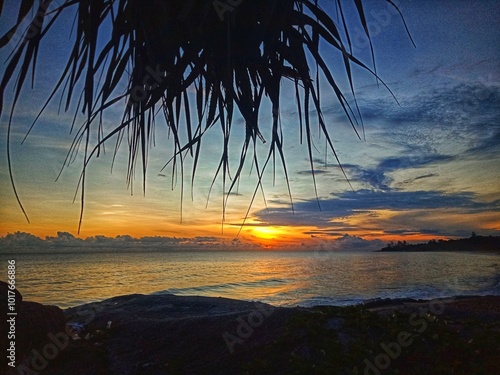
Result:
<point x="231" y="54"/>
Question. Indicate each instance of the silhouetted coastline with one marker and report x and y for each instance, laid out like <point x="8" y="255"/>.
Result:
<point x="473" y="243"/>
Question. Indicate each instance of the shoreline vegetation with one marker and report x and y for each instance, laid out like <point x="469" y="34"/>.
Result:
<point x="473" y="243"/>
<point x="167" y="334"/>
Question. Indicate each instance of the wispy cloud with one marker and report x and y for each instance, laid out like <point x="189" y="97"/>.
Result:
<point x="378" y="177"/>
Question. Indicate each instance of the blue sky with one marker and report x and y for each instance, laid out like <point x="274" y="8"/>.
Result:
<point x="427" y="165"/>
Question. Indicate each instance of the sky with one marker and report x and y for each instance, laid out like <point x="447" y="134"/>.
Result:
<point x="426" y="165"/>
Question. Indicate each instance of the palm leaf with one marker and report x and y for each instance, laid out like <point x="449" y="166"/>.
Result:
<point x="163" y="49"/>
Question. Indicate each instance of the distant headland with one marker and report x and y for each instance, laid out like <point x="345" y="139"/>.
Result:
<point x="473" y="243"/>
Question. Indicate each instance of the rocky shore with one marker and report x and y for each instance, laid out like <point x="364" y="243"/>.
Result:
<point x="167" y="334"/>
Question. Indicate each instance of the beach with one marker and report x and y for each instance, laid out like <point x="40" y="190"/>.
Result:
<point x="167" y="334"/>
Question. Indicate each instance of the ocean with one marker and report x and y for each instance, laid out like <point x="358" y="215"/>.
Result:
<point x="279" y="278"/>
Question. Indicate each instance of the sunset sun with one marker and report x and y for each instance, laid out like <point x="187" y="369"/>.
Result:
<point x="266" y="233"/>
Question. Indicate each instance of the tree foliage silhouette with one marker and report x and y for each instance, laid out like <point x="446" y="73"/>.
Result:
<point x="216" y="57"/>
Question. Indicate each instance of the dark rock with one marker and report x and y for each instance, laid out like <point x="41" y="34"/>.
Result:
<point x="166" y="334"/>
<point x="34" y="323"/>
<point x="383" y="302"/>
<point x="162" y="334"/>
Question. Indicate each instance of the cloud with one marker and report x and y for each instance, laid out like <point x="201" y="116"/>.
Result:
<point x="65" y="242"/>
<point x="410" y="181"/>
<point x="425" y="176"/>
<point x="358" y="243"/>
<point x="462" y="104"/>
<point x="448" y="124"/>
<point x="403" y="231"/>
<point x="202" y="241"/>
<point x="345" y="205"/>
<point x="348" y="243"/>
<point x="487" y="145"/>
<point x="310" y="172"/>
<point x="433" y="232"/>
<point x="20" y="239"/>
<point x="377" y="177"/>
<point x="465" y="114"/>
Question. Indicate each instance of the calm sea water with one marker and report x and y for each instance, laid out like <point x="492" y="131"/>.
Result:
<point x="279" y="278"/>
